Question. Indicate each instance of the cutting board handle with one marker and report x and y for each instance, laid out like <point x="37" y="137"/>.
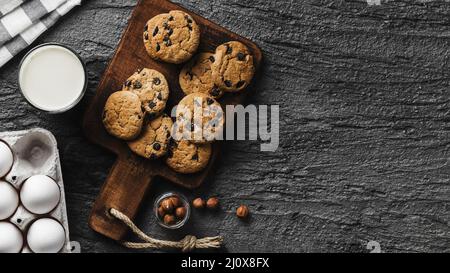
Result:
<point x="124" y="190"/>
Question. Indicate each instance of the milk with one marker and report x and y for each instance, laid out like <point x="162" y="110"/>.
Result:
<point x="52" y="78"/>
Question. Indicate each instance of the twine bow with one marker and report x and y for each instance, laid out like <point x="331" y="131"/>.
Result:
<point x="187" y="244"/>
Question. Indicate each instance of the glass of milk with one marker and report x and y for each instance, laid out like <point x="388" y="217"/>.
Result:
<point x="52" y="78"/>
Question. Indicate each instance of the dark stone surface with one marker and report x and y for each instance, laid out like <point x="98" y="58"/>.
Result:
<point x="365" y="128"/>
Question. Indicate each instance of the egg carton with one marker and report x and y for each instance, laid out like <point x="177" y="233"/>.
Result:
<point x="36" y="153"/>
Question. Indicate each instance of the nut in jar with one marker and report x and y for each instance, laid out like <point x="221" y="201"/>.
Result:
<point x="172" y="210"/>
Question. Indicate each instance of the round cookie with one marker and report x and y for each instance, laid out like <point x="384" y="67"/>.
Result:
<point x="154" y="139"/>
<point x="152" y="88"/>
<point x="196" y="76"/>
<point x="123" y="116"/>
<point x="186" y="157"/>
<point x="233" y="68"/>
<point x="199" y="119"/>
<point x="172" y="37"/>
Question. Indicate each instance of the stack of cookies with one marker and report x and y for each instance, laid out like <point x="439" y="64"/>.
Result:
<point x="136" y="113"/>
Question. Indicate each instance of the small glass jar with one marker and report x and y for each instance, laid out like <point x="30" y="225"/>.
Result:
<point x="178" y="222"/>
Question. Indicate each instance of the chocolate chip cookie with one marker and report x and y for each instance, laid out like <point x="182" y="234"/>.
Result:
<point x="233" y="68"/>
<point x="152" y="88"/>
<point x="186" y="157"/>
<point x="199" y="119"/>
<point x="196" y="76"/>
<point x="172" y="37"/>
<point x="154" y="139"/>
<point x="123" y="116"/>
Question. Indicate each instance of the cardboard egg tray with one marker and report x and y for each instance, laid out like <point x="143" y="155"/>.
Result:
<point x="35" y="153"/>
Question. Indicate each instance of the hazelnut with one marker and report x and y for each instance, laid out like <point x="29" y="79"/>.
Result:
<point x="169" y="219"/>
<point x="242" y="212"/>
<point x="176" y="201"/>
<point x="198" y="203"/>
<point x="180" y="212"/>
<point x="167" y="205"/>
<point x="161" y="212"/>
<point x="212" y="203"/>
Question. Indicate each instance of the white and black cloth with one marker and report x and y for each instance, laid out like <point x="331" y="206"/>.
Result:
<point x="23" y="21"/>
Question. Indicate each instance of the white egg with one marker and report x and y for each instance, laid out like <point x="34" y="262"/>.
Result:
<point x="40" y="194"/>
<point x="9" y="200"/>
<point x="6" y="159"/>
<point x="11" y="239"/>
<point x="46" y="236"/>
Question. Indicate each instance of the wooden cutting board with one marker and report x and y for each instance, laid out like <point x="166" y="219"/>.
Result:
<point x="130" y="178"/>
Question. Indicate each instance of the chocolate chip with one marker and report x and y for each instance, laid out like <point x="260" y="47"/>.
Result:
<point x="151" y="104"/>
<point x="170" y="31"/>
<point x="190" y="27"/>
<point x="228" y="83"/>
<point x="159" y="97"/>
<point x="158" y="47"/>
<point x="168" y="134"/>
<point x="167" y="40"/>
<point x="146" y="36"/>
<point x="146" y="28"/>
<point x="128" y="83"/>
<point x="209" y="101"/>
<point x="139" y="116"/>
<point x="157" y="146"/>
<point x="139" y="70"/>
<point x="155" y="31"/>
<point x="171" y="18"/>
<point x="188" y="19"/>
<point x="166" y="25"/>
<point x="156" y="81"/>
<point x="212" y="59"/>
<point x="195" y="157"/>
<point x="241" y="56"/>
<point x="137" y="85"/>
<point x="240" y="84"/>
<point x="215" y="92"/>
<point x="229" y="50"/>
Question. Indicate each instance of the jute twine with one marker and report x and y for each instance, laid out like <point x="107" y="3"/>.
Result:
<point x="187" y="244"/>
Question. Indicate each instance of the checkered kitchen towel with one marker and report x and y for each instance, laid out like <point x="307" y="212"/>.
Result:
<point x="23" y="21"/>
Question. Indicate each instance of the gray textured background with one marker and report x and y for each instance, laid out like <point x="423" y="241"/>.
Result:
<point x="365" y="127"/>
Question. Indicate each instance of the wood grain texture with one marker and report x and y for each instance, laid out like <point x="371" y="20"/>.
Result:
<point x="365" y="128"/>
<point x="130" y="179"/>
